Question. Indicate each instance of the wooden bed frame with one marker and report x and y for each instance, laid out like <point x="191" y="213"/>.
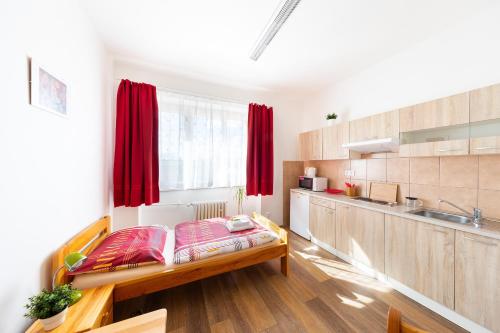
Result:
<point x="175" y="276"/>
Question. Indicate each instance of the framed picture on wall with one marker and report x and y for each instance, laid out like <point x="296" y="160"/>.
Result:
<point x="47" y="92"/>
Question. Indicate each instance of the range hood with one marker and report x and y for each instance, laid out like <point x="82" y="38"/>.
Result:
<point x="374" y="146"/>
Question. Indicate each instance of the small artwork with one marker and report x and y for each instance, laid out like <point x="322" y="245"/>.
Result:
<point x="47" y="91"/>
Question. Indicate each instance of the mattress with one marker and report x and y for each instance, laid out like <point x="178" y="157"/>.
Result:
<point x="197" y="240"/>
<point x="93" y="280"/>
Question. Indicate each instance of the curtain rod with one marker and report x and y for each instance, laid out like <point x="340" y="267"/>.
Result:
<point x="224" y="99"/>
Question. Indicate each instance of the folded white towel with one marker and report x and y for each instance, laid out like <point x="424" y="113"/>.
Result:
<point x="233" y="226"/>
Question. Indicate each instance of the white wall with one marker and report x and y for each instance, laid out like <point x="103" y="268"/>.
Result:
<point x="463" y="57"/>
<point x="286" y="127"/>
<point x="53" y="171"/>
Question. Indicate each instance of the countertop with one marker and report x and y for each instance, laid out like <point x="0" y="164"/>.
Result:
<point x="489" y="229"/>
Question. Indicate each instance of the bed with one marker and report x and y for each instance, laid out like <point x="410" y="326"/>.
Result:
<point x="175" y="275"/>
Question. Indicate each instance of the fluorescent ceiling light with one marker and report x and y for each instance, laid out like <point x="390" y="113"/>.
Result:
<point x="277" y="20"/>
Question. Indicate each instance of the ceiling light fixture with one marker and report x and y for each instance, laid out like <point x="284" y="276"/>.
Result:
<point x="275" y="23"/>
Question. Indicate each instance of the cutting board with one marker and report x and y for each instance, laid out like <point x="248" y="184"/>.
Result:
<point x="384" y="192"/>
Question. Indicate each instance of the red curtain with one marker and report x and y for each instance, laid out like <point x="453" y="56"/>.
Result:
<point x="135" y="173"/>
<point x="260" y="150"/>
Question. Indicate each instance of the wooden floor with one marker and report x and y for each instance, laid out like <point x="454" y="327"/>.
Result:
<point x="321" y="294"/>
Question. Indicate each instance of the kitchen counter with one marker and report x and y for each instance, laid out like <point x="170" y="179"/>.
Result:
<point x="489" y="229"/>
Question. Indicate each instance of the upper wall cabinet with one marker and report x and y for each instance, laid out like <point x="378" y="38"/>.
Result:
<point x="333" y="139"/>
<point x="311" y="145"/>
<point x="448" y="111"/>
<point x="379" y="126"/>
<point x="485" y="103"/>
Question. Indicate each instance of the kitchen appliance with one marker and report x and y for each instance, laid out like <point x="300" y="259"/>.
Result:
<point x="316" y="184"/>
<point x="413" y="202"/>
<point x="310" y="172"/>
<point x="299" y="214"/>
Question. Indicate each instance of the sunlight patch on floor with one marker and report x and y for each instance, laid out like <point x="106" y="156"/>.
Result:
<point x="363" y="298"/>
<point x="343" y="271"/>
<point x="350" y="302"/>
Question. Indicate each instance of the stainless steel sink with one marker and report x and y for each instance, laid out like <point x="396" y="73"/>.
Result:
<point x="435" y="214"/>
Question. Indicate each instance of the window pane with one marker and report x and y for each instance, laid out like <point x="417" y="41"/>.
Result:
<point x="202" y="142"/>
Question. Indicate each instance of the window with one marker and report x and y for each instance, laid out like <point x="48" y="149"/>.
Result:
<point x="202" y="142"/>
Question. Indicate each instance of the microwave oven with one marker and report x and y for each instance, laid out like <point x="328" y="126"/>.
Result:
<point x="316" y="184"/>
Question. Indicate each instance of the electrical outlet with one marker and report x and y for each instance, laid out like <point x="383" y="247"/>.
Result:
<point x="349" y="173"/>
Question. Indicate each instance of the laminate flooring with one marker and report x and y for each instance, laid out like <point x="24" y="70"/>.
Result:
<point x="321" y="294"/>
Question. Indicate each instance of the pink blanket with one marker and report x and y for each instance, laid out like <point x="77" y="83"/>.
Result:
<point x="201" y="239"/>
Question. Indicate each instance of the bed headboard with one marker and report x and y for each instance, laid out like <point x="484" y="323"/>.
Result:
<point x="84" y="241"/>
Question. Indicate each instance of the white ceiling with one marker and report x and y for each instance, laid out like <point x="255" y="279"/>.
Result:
<point x="322" y="42"/>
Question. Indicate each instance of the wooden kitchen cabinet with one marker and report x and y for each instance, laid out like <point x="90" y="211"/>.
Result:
<point x="360" y="235"/>
<point x="421" y="256"/>
<point x="477" y="279"/>
<point x="485" y="103"/>
<point x="322" y="223"/>
<point x="379" y="126"/>
<point x="311" y="145"/>
<point x="439" y="148"/>
<point x="485" y="145"/>
<point x="333" y="139"/>
<point x="448" y="111"/>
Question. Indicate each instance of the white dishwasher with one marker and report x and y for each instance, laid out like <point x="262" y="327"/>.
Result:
<point x="299" y="214"/>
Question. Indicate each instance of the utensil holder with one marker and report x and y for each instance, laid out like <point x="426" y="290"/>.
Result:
<point x="350" y="191"/>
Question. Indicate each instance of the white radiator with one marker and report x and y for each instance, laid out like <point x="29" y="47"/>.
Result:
<point x="208" y="209"/>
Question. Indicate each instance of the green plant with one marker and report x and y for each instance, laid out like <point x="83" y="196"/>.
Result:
<point x="331" y="116"/>
<point x="49" y="303"/>
<point x="239" y="196"/>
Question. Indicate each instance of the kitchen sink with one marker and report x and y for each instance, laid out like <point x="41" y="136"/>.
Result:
<point x="441" y="215"/>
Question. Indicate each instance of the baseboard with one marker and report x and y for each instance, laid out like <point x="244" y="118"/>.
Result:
<point x="440" y="309"/>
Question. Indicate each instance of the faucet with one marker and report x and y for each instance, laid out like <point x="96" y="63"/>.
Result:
<point x="476" y="213"/>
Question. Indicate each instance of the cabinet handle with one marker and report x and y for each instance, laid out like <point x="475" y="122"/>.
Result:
<point x="481" y="241"/>
<point x="435" y="230"/>
<point x="484" y="148"/>
<point x="445" y="150"/>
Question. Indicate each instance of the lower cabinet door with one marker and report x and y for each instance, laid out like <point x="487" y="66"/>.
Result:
<point x="421" y="256"/>
<point x="360" y="235"/>
<point x="322" y="224"/>
<point x="477" y="279"/>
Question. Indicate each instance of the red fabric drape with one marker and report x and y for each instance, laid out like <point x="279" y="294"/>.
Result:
<point x="260" y="152"/>
<point x="135" y="173"/>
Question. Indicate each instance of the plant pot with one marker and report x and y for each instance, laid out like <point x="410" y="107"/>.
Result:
<point x="54" y="321"/>
<point x="330" y="122"/>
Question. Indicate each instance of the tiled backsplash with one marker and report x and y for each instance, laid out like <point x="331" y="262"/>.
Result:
<point x="468" y="181"/>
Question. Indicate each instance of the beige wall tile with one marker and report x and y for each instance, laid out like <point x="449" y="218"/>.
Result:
<point x="458" y="171"/>
<point x="489" y="172"/>
<point x="362" y="188"/>
<point x="359" y="169"/>
<point x="489" y="203"/>
<point x="398" y="170"/>
<point x="376" y="169"/>
<point x="338" y="183"/>
<point x="462" y="197"/>
<point x="424" y="170"/>
<point x="429" y="194"/>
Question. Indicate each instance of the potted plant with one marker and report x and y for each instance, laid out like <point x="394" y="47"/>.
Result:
<point x="51" y="306"/>
<point x="330" y="118"/>
<point x="239" y="197"/>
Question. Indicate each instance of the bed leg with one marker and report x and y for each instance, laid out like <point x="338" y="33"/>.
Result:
<point x="284" y="265"/>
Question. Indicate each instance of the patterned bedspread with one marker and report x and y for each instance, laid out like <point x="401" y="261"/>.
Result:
<point x="196" y="240"/>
